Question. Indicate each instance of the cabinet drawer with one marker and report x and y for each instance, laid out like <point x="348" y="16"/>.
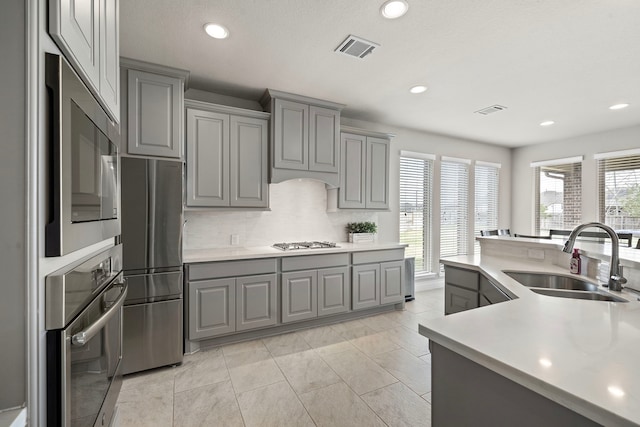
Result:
<point x="460" y="277"/>
<point x="310" y="262"/>
<point x="385" y="255"/>
<point x="212" y="270"/>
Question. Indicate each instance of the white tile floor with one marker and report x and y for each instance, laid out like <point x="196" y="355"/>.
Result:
<point x="367" y="372"/>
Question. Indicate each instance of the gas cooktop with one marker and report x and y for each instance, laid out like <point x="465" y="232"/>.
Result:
<point x="304" y="245"/>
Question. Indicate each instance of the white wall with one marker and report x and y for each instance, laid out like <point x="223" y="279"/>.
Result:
<point x="522" y="212"/>
<point x="298" y="212"/>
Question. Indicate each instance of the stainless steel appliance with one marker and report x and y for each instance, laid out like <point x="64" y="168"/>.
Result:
<point x="83" y="317"/>
<point x="304" y="245"/>
<point x="82" y="166"/>
<point x="152" y="222"/>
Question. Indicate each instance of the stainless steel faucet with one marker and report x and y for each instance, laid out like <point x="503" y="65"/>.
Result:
<point x="615" y="272"/>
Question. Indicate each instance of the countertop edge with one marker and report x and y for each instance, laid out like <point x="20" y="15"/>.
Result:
<point x="541" y="387"/>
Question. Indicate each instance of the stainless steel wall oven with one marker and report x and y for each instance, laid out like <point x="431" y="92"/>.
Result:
<point x="82" y="170"/>
<point x="83" y="318"/>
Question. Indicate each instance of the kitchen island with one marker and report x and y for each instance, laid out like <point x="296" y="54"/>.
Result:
<point x="537" y="359"/>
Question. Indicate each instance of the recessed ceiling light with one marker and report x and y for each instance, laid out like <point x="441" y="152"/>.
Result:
<point x="216" y="31"/>
<point x="547" y="123"/>
<point x="393" y="9"/>
<point x="618" y="106"/>
<point x="418" y="89"/>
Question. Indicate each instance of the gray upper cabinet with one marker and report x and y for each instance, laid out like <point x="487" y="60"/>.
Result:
<point x="87" y="33"/>
<point x="155" y="115"/>
<point x="227" y="156"/>
<point x="364" y="178"/>
<point x="305" y="135"/>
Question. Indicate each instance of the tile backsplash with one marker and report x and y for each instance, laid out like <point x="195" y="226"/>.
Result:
<point x="298" y="212"/>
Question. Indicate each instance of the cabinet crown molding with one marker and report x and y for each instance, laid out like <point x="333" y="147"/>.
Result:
<point x="225" y="109"/>
<point x="366" y="132"/>
<point x="135" y="64"/>
<point x="270" y="94"/>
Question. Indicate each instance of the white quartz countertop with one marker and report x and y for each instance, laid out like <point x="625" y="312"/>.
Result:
<point x="578" y="353"/>
<point x="239" y="252"/>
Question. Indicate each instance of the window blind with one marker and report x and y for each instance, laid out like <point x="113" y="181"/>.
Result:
<point x="454" y="208"/>
<point x="558" y="198"/>
<point x="619" y="192"/>
<point x="486" y="199"/>
<point x="416" y="184"/>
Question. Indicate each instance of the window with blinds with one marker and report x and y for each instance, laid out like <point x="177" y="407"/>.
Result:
<point x="619" y="192"/>
<point x="486" y="199"/>
<point x="558" y="203"/>
<point x="454" y="208"/>
<point x="416" y="185"/>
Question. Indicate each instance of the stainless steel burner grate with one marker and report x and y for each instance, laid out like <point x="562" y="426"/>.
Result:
<point x="304" y="245"/>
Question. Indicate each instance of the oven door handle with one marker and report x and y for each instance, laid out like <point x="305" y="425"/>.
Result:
<point x="83" y="337"/>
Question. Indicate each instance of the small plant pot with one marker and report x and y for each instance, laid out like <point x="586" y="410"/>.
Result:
<point x="362" y="237"/>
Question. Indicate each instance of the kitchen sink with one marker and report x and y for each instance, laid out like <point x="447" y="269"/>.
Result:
<point x="556" y="285"/>
<point x="552" y="281"/>
<point x="563" y="293"/>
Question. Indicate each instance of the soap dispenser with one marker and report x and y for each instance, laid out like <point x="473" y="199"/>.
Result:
<point x="574" y="265"/>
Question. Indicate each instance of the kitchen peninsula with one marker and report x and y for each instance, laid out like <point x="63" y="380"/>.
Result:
<point x="537" y="359"/>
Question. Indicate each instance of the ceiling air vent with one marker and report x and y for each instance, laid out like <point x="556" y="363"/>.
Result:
<point x="356" y="47"/>
<point x="492" y="109"/>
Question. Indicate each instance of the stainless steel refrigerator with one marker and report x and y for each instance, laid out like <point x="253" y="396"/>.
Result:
<point x="152" y="223"/>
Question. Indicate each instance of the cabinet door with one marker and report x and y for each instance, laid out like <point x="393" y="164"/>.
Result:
<point x="249" y="162"/>
<point x="256" y="301"/>
<point x="352" y="179"/>
<point x="212" y="308"/>
<point x="299" y="295"/>
<point x="334" y="291"/>
<point x="459" y="299"/>
<point x="110" y="56"/>
<point x="377" y="179"/>
<point x="365" y="286"/>
<point x="75" y="26"/>
<point x="291" y="134"/>
<point x="324" y="139"/>
<point x="490" y="292"/>
<point x="392" y="282"/>
<point x="207" y="158"/>
<point x="155" y="114"/>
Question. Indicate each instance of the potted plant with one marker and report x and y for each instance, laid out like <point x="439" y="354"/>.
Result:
<point x="362" y="232"/>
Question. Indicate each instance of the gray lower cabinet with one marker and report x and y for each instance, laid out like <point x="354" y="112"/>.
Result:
<point x="299" y="295"/>
<point x="256" y="301"/>
<point x="392" y="282"/>
<point x="212" y="308"/>
<point x="377" y="278"/>
<point x="334" y="291"/>
<point x="152" y="109"/>
<point x="366" y="286"/>
<point x="466" y="289"/>
<point x="364" y="179"/>
<point x="314" y="286"/>
<point x="227" y="156"/>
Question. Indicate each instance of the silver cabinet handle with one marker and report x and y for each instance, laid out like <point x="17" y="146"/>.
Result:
<point x="83" y="337"/>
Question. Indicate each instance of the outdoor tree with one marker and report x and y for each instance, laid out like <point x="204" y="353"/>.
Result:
<point x="631" y="201"/>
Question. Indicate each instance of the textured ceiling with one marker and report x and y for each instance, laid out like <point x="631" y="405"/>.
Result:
<point x="561" y="60"/>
